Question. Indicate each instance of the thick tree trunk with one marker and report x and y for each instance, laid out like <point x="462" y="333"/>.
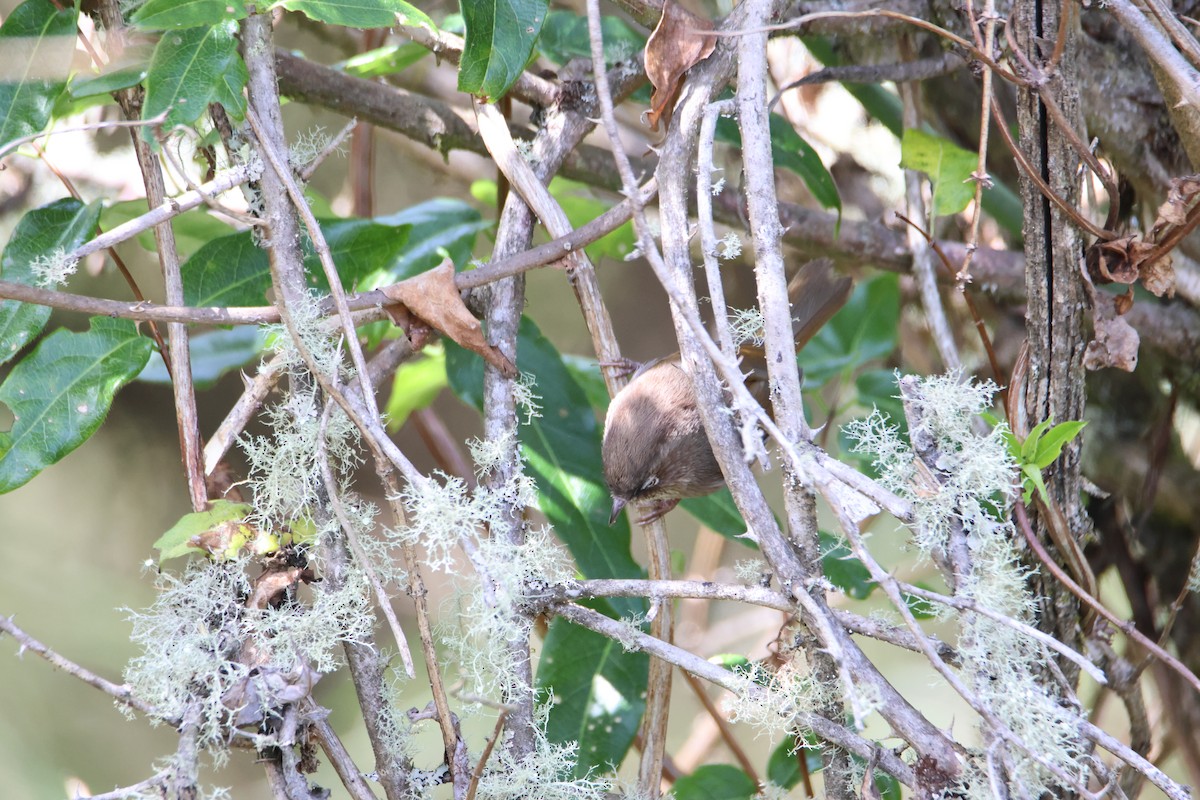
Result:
<point x="1054" y="388"/>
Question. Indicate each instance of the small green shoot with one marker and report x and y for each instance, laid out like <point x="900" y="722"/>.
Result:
<point x="1041" y="448"/>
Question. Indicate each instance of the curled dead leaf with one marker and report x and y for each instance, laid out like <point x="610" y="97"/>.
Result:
<point x="1115" y="261"/>
<point x="1114" y="342"/>
<point x="1174" y="210"/>
<point x="1158" y="276"/>
<point x="676" y="45"/>
<point x="433" y="300"/>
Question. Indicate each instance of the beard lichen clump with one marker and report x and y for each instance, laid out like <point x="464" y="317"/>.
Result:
<point x="974" y="492"/>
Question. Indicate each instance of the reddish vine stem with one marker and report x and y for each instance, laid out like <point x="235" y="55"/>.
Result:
<point x="1126" y="627"/>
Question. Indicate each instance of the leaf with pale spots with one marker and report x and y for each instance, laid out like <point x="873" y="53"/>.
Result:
<point x="61" y="393"/>
<point x="190" y="69"/>
<point x="59" y="226"/>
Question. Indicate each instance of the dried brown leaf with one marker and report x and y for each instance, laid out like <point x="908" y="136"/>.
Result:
<point x="1115" y="342"/>
<point x="433" y="299"/>
<point x="676" y="46"/>
<point x="1174" y="210"/>
<point x="1114" y="261"/>
<point x="1158" y="276"/>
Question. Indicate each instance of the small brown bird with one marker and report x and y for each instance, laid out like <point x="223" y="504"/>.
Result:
<point x="655" y="447"/>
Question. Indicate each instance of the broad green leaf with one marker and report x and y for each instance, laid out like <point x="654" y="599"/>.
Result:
<point x="359" y="13"/>
<point x="793" y="152"/>
<point x="562" y="447"/>
<point x="790" y="151"/>
<point x="867" y="328"/>
<point x="715" y="782"/>
<point x="877" y="389"/>
<point x="718" y="512"/>
<point x="416" y="385"/>
<point x="176" y="542"/>
<point x="37" y="41"/>
<point x="61" y="392"/>
<point x="440" y="224"/>
<point x="586" y="372"/>
<point x="213" y="353"/>
<point x="948" y="166"/>
<point x="159" y="15"/>
<point x="844" y="570"/>
<point x="233" y="271"/>
<point x="191" y="68"/>
<point x="881" y="103"/>
<point x="88" y="86"/>
<point x="229" y="271"/>
<point x="381" y="61"/>
<point x="565" y="36"/>
<point x="60" y="226"/>
<point x="598" y="694"/>
<point x="1052" y="444"/>
<point x="498" y="44"/>
<point x="783" y="767"/>
<point x="581" y="207"/>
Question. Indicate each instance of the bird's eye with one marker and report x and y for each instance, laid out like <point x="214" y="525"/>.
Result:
<point x="649" y="483"/>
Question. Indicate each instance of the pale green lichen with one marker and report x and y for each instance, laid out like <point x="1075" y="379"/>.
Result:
<point x="53" y="269"/>
<point x="973" y="491"/>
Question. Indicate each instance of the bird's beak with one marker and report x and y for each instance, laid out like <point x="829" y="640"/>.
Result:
<point x="618" y="506"/>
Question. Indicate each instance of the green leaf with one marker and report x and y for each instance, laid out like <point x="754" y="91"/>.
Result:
<point x="790" y="151"/>
<point x="1033" y="481"/>
<point x="581" y="207"/>
<point x="416" y="385"/>
<point x="1052" y="444"/>
<point x="360" y="13"/>
<point x="919" y="606"/>
<point x="105" y="83"/>
<point x="498" y="44"/>
<point x="38" y="41"/>
<point x="794" y="153"/>
<point x="867" y="328"/>
<point x="59" y="226"/>
<point x="233" y="271"/>
<point x="62" y="391"/>
<point x="381" y="61"/>
<point x="586" y="372"/>
<point x="175" y="543"/>
<point x="191" y="68"/>
<point x="228" y="271"/>
<point x="213" y="353"/>
<point x="844" y="570"/>
<point x="598" y="694"/>
<point x="159" y="15"/>
<point x="734" y="662"/>
<point x="562" y="447"/>
<point x="565" y="36"/>
<point x="783" y="767"/>
<point x="1030" y="445"/>
<point x="948" y="166"/>
<point x="715" y="782"/>
<point x="441" y="224"/>
<point x="718" y="512"/>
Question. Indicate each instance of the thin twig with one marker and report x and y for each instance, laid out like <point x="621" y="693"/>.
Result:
<point x="94" y="126"/>
<point x="119" y="692"/>
<point x="658" y="686"/>
<point x="1126" y="627"/>
<point x="333" y="490"/>
<point x="340" y="759"/>
<point x="723" y="726"/>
